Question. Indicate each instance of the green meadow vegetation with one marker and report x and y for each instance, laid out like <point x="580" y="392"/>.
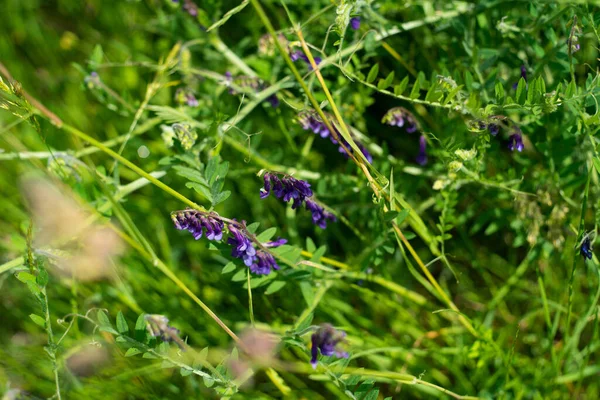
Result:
<point x="299" y="199"/>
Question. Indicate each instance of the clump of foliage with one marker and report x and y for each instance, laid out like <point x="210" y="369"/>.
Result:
<point x="287" y="199"/>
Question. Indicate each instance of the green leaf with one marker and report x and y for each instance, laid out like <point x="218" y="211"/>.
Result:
<point x="96" y="57"/>
<point x="499" y="89"/>
<point x="253" y="227"/>
<point x="275" y="286"/>
<point x="468" y="81"/>
<point x="228" y="268"/>
<point x="104" y="323"/>
<point x="373" y="73"/>
<point x="596" y="162"/>
<point x="122" y="324"/>
<point x="26" y="277"/>
<point x="266" y="235"/>
<point x="141" y="331"/>
<point x="401" y="87"/>
<point x="520" y="96"/>
<point x="308" y="292"/>
<point x="402" y="216"/>
<point x="221" y="197"/>
<point x="390" y="215"/>
<point x="201" y="189"/>
<point x="42" y="278"/>
<point x="239" y="276"/>
<point x="191" y="174"/>
<point x="415" y="92"/>
<point x="38" y="320"/>
<point x="132" y="352"/>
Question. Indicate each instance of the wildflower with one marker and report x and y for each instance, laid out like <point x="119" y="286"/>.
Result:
<point x="422" y="157"/>
<point x="242" y="246"/>
<point x="319" y="215"/>
<point x="264" y="263"/>
<point x="191" y="8"/>
<point x="299" y="55"/>
<point x="573" y="40"/>
<point x="198" y="223"/>
<point x="400" y="116"/>
<point x="158" y="326"/>
<point x="276" y="243"/>
<point x="516" y="141"/>
<point x="355" y="23"/>
<point x="186" y="96"/>
<point x="286" y="188"/>
<point x="310" y="121"/>
<point x="326" y="339"/>
<point x="586" y="248"/>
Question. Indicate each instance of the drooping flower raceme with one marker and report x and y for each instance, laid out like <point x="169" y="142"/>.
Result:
<point x="586" y="248"/>
<point x="289" y="188"/>
<point x="158" y="326"/>
<point x="326" y="340"/>
<point x="515" y="141"/>
<point x="310" y="121"/>
<point x="299" y="55"/>
<point x="198" y="223"/>
<point x="401" y="117"/>
<point x="422" y="157"/>
<point x="210" y="225"/>
<point x="259" y="261"/>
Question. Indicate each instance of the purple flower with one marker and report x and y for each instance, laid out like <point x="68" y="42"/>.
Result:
<point x="198" y="223"/>
<point x="310" y="121"/>
<point x="191" y="8"/>
<point x="286" y="188"/>
<point x="319" y="215"/>
<point x="276" y="243"/>
<point x="516" y="141"/>
<point x="326" y="339"/>
<point x="355" y="23"/>
<point x="243" y="247"/>
<point x="400" y="116"/>
<point x="299" y="55"/>
<point x="586" y="248"/>
<point x="264" y="263"/>
<point x="158" y="326"/>
<point x="422" y="157"/>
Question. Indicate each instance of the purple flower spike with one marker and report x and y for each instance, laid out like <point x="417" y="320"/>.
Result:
<point x="355" y="23"/>
<point x="319" y="215"/>
<point x="198" y="223"/>
<point x="516" y="142"/>
<point x="326" y="339"/>
<point x="299" y="55"/>
<point x="276" y="243"/>
<point x="310" y="121"/>
<point x="586" y="248"/>
<point x="422" y="157"/>
<point x="400" y="116"/>
<point x="286" y="188"/>
<point x="242" y="246"/>
<point x="264" y="263"/>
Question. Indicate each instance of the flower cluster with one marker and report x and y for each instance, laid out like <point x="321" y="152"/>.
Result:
<point x="586" y="248"/>
<point x="260" y="262"/>
<point x="186" y="96"/>
<point x="198" y="223"/>
<point x="158" y="326"/>
<point x="299" y="55"/>
<point x="400" y="116"/>
<point x="309" y="120"/>
<point x="355" y="23"/>
<point x="210" y="225"/>
<point x="248" y="82"/>
<point x="326" y="339"/>
<point x="422" y="157"/>
<point x="289" y="188"/>
<point x="515" y="141"/>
